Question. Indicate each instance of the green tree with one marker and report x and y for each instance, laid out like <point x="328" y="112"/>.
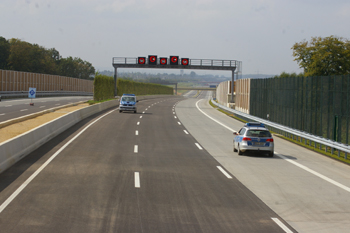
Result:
<point x="323" y="56"/>
<point x="22" y="56"/>
<point x="41" y="60"/>
<point x="19" y="58"/>
<point x="76" y="68"/>
<point x="4" y="52"/>
<point x="30" y="58"/>
<point x="287" y="75"/>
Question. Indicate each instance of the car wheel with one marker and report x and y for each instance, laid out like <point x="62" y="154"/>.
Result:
<point x="120" y="110"/>
<point x="134" y="111"/>
<point x="239" y="151"/>
<point x="271" y="154"/>
<point x="234" y="149"/>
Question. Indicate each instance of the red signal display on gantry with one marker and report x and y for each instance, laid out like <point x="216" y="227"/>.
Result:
<point x="141" y="60"/>
<point x="163" y="60"/>
<point x="185" y="61"/>
<point x="152" y="59"/>
<point x="174" y="60"/>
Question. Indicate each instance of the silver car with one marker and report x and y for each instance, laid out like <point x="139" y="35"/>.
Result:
<point x="253" y="137"/>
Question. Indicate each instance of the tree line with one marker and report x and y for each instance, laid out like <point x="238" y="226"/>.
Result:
<point x="326" y="56"/>
<point x="19" y="55"/>
<point x="323" y="56"/>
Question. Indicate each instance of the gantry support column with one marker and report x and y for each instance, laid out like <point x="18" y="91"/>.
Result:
<point x="233" y="84"/>
<point x="115" y="81"/>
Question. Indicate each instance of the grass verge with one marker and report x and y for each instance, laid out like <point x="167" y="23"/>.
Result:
<point x="91" y="102"/>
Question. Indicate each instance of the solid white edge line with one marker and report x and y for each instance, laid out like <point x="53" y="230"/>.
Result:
<point x="19" y="190"/>
<point x="285" y="158"/>
<point x="137" y="180"/>
<point x="199" y="147"/>
<point x="136" y="149"/>
<point x="224" y="172"/>
<point x="314" y="172"/>
<point x="213" y="118"/>
<point x="279" y="223"/>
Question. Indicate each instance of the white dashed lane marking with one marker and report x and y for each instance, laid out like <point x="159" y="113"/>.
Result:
<point x="137" y="180"/>
<point x="224" y="172"/>
<point x="279" y="223"/>
<point x="199" y="147"/>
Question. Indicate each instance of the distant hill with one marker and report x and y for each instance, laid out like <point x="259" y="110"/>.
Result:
<point x="176" y="77"/>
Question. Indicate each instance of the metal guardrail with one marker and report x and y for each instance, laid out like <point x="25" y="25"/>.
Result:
<point x="192" y="62"/>
<point x="286" y="131"/>
<point x="20" y="94"/>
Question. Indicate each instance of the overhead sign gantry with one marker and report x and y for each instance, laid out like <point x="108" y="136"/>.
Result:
<point x="175" y="62"/>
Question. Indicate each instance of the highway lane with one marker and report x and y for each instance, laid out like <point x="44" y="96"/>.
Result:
<point x="14" y="108"/>
<point x="128" y="173"/>
<point x="298" y="184"/>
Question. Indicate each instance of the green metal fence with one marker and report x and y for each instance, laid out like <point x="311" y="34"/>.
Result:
<point x="317" y="105"/>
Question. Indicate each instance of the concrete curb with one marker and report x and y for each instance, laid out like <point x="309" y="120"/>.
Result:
<point x="14" y="149"/>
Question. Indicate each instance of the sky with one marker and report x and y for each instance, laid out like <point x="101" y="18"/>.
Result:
<point x="260" y="33"/>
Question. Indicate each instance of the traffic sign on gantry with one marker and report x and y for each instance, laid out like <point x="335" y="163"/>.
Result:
<point x="175" y="62"/>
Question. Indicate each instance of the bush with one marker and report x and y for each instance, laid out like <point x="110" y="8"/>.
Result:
<point x="103" y="87"/>
<point x="137" y="88"/>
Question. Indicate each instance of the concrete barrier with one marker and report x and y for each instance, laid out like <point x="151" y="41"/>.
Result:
<point x="33" y="115"/>
<point x="13" y="150"/>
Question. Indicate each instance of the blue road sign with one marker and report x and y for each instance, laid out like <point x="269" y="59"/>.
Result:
<point x="32" y="92"/>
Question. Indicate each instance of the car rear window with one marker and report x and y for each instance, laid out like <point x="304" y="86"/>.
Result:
<point x="259" y="133"/>
<point x="129" y="99"/>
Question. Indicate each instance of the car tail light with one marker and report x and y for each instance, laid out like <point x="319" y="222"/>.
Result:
<point x="246" y="139"/>
<point x="269" y="140"/>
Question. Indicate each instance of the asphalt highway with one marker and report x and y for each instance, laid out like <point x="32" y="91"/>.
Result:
<point x="13" y="108"/>
<point x="308" y="190"/>
<point x="126" y="172"/>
